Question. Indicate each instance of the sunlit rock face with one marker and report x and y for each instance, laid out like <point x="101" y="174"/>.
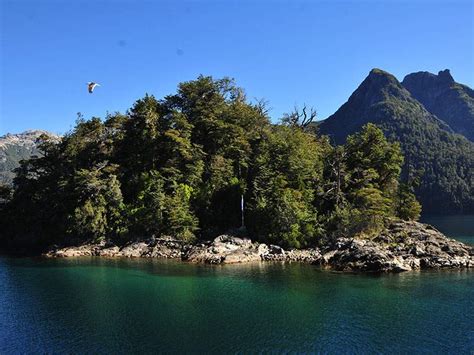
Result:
<point x="16" y="147"/>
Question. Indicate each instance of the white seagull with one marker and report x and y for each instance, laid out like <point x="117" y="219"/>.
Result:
<point x="91" y="86"/>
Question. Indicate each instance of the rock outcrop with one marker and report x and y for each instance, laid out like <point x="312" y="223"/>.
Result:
<point x="229" y="250"/>
<point x="363" y="255"/>
<point x="403" y="246"/>
<point x="150" y="248"/>
<point x="224" y="249"/>
<point x="16" y="147"/>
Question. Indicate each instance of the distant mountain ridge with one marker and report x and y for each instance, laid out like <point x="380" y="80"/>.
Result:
<point x="378" y="98"/>
<point x="444" y="160"/>
<point x="450" y="101"/>
<point x="16" y="147"/>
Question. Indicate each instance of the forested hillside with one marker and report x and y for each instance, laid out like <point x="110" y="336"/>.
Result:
<point x="181" y="166"/>
<point x="439" y="164"/>
<point x="442" y="96"/>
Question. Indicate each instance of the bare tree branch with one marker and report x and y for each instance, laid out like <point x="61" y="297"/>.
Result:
<point x="298" y="118"/>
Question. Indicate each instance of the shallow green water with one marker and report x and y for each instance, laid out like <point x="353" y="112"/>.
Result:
<point x="92" y="305"/>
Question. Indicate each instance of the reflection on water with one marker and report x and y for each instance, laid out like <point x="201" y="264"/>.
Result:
<point x="124" y="305"/>
<point x="140" y="305"/>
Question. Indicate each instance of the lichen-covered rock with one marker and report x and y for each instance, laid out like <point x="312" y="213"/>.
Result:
<point x="263" y="249"/>
<point x="82" y="250"/>
<point x="403" y="246"/>
<point x="364" y="255"/>
<point x="135" y="250"/>
<point x="311" y="256"/>
<point x="274" y="253"/>
<point x="201" y="253"/>
<point x="224" y="249"/>
<point x="151" y="248"/>
<point x="108" y="252"/>
<point x="431" y="248"/>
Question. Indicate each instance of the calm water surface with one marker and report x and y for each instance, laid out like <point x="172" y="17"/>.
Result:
<point x="90" y="305"/>
<point x="459" y="227"/>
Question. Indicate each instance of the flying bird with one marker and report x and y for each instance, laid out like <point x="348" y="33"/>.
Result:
<point x="91" y="86"/>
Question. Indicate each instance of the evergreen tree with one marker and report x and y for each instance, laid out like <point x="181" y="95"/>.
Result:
<point x="180" y="221"/>
<point x="181" y="166"/>
<point x="99" y="212"/>
<point x="407" y="206"/>
<point x="375" y="166"/>
<point x="288" y="168"/>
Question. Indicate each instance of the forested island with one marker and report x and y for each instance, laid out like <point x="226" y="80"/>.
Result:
<point x="173" y="174"/>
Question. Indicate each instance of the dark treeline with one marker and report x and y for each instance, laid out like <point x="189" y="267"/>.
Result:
<point x="180" y="166"/>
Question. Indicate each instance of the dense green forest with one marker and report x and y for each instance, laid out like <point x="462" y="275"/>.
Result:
<point x="182" y="165"/>
<point x="439" y="164"/>
<point x="450" y="101"/>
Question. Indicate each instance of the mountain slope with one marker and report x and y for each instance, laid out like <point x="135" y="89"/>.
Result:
<point x="444" y="160"/>
<point x="16" y="147"/>
<point x="442" y="96"/>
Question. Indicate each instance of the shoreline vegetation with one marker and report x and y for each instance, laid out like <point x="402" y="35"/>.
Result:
<point x="194" y="165"/>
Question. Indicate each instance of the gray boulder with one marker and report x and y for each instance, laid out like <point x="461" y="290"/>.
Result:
<point x="224" y="249"/>
<point x="402" y="246"/>
<point x="135" y="250"/>
<point x="364" y="255"/>
<point x="405" y="245"/>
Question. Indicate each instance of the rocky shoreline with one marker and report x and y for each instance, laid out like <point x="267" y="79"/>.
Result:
<point x="404" y="246"/>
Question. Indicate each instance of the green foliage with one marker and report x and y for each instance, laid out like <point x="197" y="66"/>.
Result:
<point x="408" y="207"/>
<point x="375" y="166"/>
<point x="361" y="183"/>
<point x="146" y="214"/>
<point x="441" y="160"/>
<point x="442" y="96"/>
<point x="288" y="167"/>
<point x="99" y="212"/>
<point x="371" y="208"/>
<point x="285" y="216"/>
<point x="181" y="165"/>
<point x="373" y="160"/>
<point x="179" y="221"/>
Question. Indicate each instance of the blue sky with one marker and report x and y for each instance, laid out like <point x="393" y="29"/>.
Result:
<point x="285" y="52"/>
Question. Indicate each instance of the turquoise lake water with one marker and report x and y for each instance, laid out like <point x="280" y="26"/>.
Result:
<point x="91" y="305"/>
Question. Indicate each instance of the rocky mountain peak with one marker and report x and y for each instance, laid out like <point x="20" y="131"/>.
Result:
<point x="427" y="141"/>
<point x="444" y="79"/>
<point x="16" y="147"/>
<point x="25" y="138"/>
<point x="378" y="86"/>
<point x="445" y="76"/>
<point x="379" y="79"/>
<point x="442" y="96"/>
<point x="379" y="74"/>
